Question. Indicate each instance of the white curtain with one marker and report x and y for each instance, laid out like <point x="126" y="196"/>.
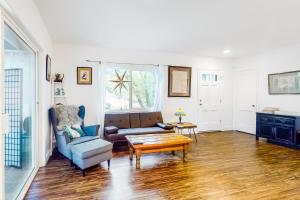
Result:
<point x="160" y="90"/>
<point x="101" y="96"/>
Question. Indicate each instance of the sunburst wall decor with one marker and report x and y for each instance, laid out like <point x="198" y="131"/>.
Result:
<point x="120" y="82"/>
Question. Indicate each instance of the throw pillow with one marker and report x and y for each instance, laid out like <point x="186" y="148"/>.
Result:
<point x="71" y="132"/>
<point x="77" y="127"/>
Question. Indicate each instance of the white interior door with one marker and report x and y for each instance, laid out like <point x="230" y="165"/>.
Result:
<point x="245" y="106"/>
<point x="209" y="101"/>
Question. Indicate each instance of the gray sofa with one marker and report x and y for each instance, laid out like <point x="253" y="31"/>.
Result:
<point x="118" y="125"/>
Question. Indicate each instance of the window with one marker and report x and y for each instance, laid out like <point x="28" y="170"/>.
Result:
<point x="129" y="88"/>
<point x="209" y="77"/>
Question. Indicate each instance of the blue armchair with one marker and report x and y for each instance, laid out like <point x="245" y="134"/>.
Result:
<point x="62" y="141"/>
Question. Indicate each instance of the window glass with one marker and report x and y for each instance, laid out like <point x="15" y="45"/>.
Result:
<point x="128" y="88"/>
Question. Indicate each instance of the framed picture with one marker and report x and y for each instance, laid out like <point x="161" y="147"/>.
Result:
<point x="84" y="75"/>
<point x="48" y="68"/>
<point x="284" y="83"/>
<point x="59" y="90"/>
<point x="179" y="84"/>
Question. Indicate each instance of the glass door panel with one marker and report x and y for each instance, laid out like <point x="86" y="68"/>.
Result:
<point x="19" y="104"/>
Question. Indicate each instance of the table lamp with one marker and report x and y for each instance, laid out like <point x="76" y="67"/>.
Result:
<point x="180" y="112"/>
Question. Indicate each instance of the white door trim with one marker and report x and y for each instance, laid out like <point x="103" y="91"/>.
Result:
<point x="2" y="175"/>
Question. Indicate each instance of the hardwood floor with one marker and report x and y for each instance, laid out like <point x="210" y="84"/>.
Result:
<point x="227" y="165"/>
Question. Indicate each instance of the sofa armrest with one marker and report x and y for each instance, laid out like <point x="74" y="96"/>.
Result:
<point x="165" y="126"/>
<point x="110" y="130"/>
<point x="91" y="130"/>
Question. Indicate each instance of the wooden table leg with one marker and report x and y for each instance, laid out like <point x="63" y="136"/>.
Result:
<point x="184" y="153"/>
<point x="138" y="157"/>
<point x="130" y="152"/>
<point x="195" y="135"/>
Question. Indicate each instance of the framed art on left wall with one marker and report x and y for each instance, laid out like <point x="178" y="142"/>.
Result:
<point x="48" y="68"/>
<point x="84" y="76"/>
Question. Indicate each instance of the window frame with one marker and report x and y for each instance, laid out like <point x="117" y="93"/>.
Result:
<point x="130" y="68"/>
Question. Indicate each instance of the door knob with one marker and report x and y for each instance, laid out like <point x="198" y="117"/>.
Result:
<point x="253" y="106"/>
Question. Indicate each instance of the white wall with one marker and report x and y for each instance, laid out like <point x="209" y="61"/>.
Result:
<point x="68" y="56"/>
<point x="27" y="17"/>
<point x="279" y="60"/>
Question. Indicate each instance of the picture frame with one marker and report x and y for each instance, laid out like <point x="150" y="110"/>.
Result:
<point x="284" y="83"/>
<point x="84" y="75"/>
<point x="48" y="68"/>
<point x="179" y="81"/>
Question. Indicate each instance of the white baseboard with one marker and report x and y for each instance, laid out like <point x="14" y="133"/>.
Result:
<point x="27" y="184"/>
<point x="47" y="157"/>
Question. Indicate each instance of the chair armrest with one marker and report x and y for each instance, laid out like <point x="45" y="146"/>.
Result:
<point x="165" y="126"/>
<point x="91" y="130"/>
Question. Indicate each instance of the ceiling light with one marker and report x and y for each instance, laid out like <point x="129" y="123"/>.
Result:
<point x="227" y="51"/>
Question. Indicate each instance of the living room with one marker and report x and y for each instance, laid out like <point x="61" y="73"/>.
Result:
<point x="174" y="100"/>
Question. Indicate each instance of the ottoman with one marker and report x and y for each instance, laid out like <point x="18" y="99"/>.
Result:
<point x="90" y="153"/>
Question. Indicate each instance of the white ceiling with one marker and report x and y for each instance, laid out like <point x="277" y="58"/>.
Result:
<point x="197" y="27"/>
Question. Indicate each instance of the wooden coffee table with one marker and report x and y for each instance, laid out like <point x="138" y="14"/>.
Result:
<point x="153" y="143"/>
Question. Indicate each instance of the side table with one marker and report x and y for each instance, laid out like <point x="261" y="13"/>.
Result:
<point x="185" y="125"/>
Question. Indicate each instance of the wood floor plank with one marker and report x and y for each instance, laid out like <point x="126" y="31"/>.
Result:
<point x="223" y="165"/>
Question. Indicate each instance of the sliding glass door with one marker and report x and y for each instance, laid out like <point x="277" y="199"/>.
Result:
<point x="19" y="102"/>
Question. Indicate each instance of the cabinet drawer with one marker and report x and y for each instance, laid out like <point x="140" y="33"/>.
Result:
<point x="284" y="121"/>
<point x="265" y="119"/>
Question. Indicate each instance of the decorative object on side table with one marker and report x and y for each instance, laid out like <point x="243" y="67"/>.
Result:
<point x="179" y="84"/>
<point x="84" y="75"/>
<point x="48" y="68"/>
<point x="271" y="110"/>
<point x="180" y="112"/>
<point x="284" y="83"/>
<point x="59" y="77"/>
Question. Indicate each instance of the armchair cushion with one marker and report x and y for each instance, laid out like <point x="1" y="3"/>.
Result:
<point x="165" y="126"/>
<point x="111" y="129"/>
<point x="67" y="116"/>
<point x="71" y="133"/>
<point x="91" y="130"/>
<point x="77" y="127"/>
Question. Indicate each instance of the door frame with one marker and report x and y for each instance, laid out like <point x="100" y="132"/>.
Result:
<point x="220" y="73"/>
<point x="5" y="18"/>
<point x="235" y="108"/>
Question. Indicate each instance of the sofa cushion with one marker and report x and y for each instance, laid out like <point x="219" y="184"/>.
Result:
<point x="118" y="120"/>
<point x="150" y="119"/>
<point x="120" y="136"/>
<point x="91" y="148"/>
<point x="134" y="120"/>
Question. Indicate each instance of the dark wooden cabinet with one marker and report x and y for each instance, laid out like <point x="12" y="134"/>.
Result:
<point x="279" y="128"/>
